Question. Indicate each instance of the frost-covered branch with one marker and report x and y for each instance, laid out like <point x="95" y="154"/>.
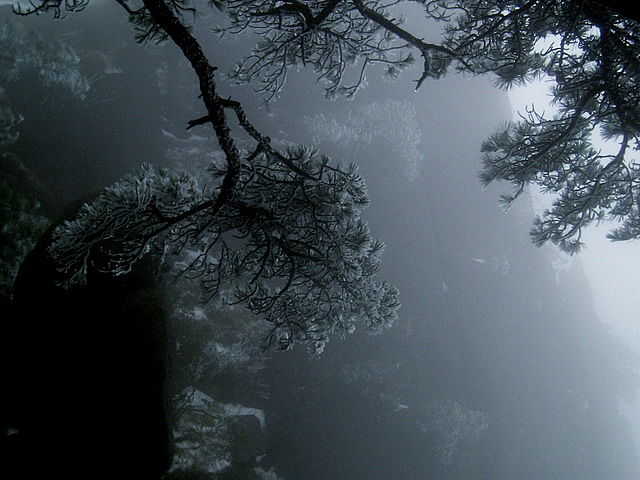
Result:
<point x="327" y="36"/>
<point x="279" y="232"/>
<point x="587" y="47"/>
<point x="290" y="247"/>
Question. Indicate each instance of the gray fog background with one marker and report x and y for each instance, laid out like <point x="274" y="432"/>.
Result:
<point x="488" y="322"/>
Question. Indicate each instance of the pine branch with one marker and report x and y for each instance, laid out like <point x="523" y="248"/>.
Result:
<point x="426" y="49"/>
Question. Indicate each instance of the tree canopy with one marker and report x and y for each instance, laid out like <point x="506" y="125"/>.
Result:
<point x="290" y="246"/>
<point x="589" y="49"/>
<point x="281" y="228"/>
<point x="276" y="230"/>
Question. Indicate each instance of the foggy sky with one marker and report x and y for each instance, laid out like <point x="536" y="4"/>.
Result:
<point x="487" y="320"/>
<point x="611" y="267"/>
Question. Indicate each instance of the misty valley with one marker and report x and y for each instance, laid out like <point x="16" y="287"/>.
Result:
<point x="444" y="346"/>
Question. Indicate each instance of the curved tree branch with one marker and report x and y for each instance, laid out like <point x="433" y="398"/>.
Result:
<point x="425" y="48"/>
<point x="193" y="52"/>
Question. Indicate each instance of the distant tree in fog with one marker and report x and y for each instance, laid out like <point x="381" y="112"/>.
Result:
<point x="368" y="371"/>
<point x="9" y="121"/>
<point x="25" y="52"/>
<point x="391" y="121"/>
<point x="25" y="55"/>
<point x="21" y="223"/>
<point x="452" y="423"/>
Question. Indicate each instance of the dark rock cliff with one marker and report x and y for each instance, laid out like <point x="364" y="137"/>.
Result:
<point x="92" y="363"/>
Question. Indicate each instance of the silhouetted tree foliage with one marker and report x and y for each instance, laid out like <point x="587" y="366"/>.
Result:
<point x="279" y="231"/>
<point x="290" y="247"/>
<point x="588" y="47"/>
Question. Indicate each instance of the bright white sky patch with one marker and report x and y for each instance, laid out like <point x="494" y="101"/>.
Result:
<point x="612" y="268"/>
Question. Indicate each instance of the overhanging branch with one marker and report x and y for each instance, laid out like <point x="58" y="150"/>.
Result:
<point x="425" y="48"/>
<point x="193" y="52"/>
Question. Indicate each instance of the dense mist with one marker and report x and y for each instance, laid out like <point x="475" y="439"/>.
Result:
<point x="497" y="367"/>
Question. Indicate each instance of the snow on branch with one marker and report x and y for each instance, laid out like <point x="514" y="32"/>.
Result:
<point x="289" y="245"/>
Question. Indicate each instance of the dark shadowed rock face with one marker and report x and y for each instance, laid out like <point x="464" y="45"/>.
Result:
<point x="247" y="440"/>
<point x="92" y="363"/>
